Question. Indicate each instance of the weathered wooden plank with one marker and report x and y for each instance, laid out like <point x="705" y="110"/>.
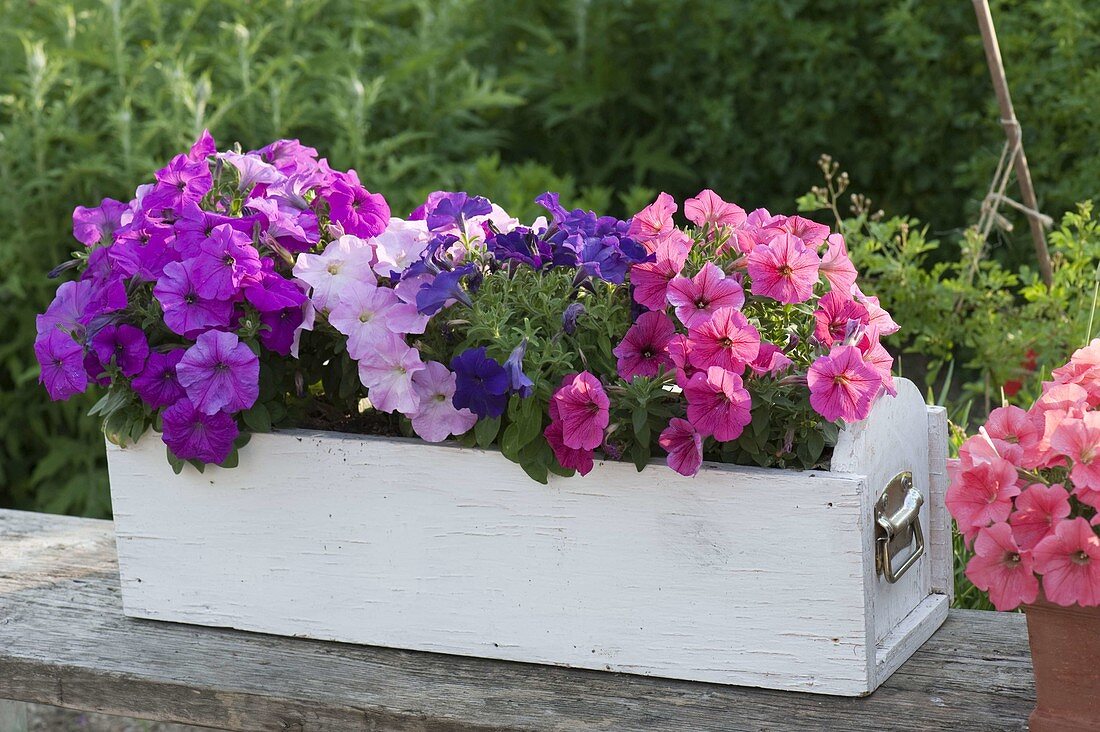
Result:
<point x="64" y="641"/>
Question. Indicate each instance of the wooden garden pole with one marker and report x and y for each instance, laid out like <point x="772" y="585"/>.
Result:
<point x="1012" y="130"/>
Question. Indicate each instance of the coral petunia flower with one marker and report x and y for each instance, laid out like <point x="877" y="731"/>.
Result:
<point x="696" y="299"/>
<point x="1069" y="560"/>
<point x="651" y="279"/>
<point x="708" y="208"/>
<point x="842" y="386"/>
<point x="1036" y="512"/>
<point x="982" y="494"/>
<point x="718" y="404"/>
<point x="644" y="349"/>
<point x="784" y="269"/>
<point x="684" y="446"/>
<point x="583" y="410"/>
<point x="1079" y="440"/>
<point x="1002" y="569"/>
<point x="727" y="340"/>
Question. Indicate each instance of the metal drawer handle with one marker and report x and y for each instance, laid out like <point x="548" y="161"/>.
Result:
<point x="897" y="512"/>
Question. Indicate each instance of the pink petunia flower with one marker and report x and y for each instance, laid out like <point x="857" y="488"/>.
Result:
<point x="399" y="246"/>
<point x="696" y="299"/>
<point x="879" y="318"/>
<point x="982" y="494"/>
<point x="718" y="404"/>
<point x="1083" y="369"/>
<point x="837" y="267"/>
<point x="770" y="360"/>
<point x="834" y="315"/>
<point x="877" y="357"/>
<point x="679" y="350"/>
<point x="1036" y="512"/>
<point x="708" y="208"/>
<point x="684" y="446"/>
<point x="784" y="269"/>
<point x="348" y="259"/>
<point x="809" y="232"/>
<point x="568" y="457"/>
<point x="842" y="386"/>
<point x="1015" y="426"/>
<point x="727" y="340"/>
<point x="644" y="349"/>
<point x="1069" y="560"/>
<point x="437" y="418"/>
<point x="373" y="318"/>
<point x="1079" y="440"/>
<point x="1002" y="569"/>
<point x="583" y="410"/>
<point x="654" y="222"/>
<point x="651" y="279"/>
<point x="388" y="375"/>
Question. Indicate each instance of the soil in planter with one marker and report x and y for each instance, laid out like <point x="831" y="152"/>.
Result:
<point x="370" y="422"/>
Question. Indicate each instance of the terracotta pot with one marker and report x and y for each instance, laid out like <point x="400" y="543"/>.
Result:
<point x="1065" y="653"/>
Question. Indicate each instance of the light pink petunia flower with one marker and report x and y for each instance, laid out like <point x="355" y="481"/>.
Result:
<point x="1000" y="568"/>
<point x="650" y="279"/>
<point x="437" y="419"/>
<point x="654" y="222"/>
<point x="842" y="386"/>
<point x="837" y="267"/>
<point x="388" y="375"/>
<point x="583" y="410"/>
<point x="727" y="340"/>
<point x="344" y="261"/>
<point x="718" y="404"/>
<point x="696" y="299"/>
<point x="1069" y="560"/>
<point x="644" y="349"/>
<point x="708" y="208"/>
<point x="399" y="246"/>
<point x="684" y="446"/>
<point x="784" y="269"/>
<point x="1083" y="369"/>
<point x="1036" y="511"/>
<point x="373" y="318"/>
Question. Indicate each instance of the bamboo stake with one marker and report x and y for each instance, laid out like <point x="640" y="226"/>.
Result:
<point x="1012" y="130"/>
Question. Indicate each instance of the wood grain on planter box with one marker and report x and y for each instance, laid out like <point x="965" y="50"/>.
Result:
<point x="738" y="576"/>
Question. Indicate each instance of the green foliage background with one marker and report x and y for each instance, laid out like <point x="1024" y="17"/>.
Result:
<point x="605" y="100"/>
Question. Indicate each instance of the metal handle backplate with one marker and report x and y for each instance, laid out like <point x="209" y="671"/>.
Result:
<point x="897" y="526"/>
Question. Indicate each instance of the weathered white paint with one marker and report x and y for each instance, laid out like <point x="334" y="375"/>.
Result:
<point x="738" y="576"/>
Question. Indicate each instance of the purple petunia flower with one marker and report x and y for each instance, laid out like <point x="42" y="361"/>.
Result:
<point x="453" y="209"/>
<point x="143" y="251"/>
<point x="62" y="362"/>
<point x="271" y="292"/>
<point x="281" y="327"/>
<point x="225" y="261"/>
<point x="251" y="170"/>
<point x="124" y="345"/>
<point x="518" y="380"/>
<point x="481" y="384"/>
<point x="293" y="229"/>
<point x="157" y="384"/>
<point x="220" y="373"/>
<point x="194" y="226"/>
<point x="185" y="312"/>
<point x="444" y="288"/>
<point x="181" y="181"/>
<point x="289" y="156"/>
<point x="356" y="209"/>
<point x="68" y="309"/>
<point x="202" y="148"/>
<point x="569" y="317"/>
<point x="97" y="225"/>
<point x="193" y="435"/>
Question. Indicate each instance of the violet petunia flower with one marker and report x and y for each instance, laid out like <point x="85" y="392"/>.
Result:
<point x="569" y="318"/>
<point x="194" y="226"/>
<point x="97" y="225"/>
<point x="443" y="290"/>
<point x="124" y="345"/>
<point x="482" y="384"/>
<point x="454" y="209"/>
<point x="185" y="311"/>
<point x="157" y="384"/>
<point x="69" y="309"/>
<point x="180" y="182"/>
<point x="225" y="262"/>
<point x="282" y="329"/>
<point x="518" y="380"/>
<point x="219" y="372"/>
<point x="194" y="435"/>
<point x="62" y="361"/>
<point x="271" y="292"/>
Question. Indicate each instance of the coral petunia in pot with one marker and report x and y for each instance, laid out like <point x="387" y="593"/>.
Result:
<point x="1024" y="495"/>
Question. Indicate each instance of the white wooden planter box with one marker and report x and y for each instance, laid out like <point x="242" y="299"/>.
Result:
<point x="737" y="576"/>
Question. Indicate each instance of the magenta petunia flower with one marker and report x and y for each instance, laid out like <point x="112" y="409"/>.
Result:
<point x="568" y="457"/>
<point x="373" y="318"/>
<point x="696" y="299"/>
<point x="708" y="208"/>
<point x="225" y="262"/>
<point x="437" y="418"/>
<point x="644" y="349"/>
<point x="124" y="345"/>
<point x="583" y="410"/>
<point x="185" y="312"/>
<point x="203" y="147"/>
<point x="1036" y="511"/>
<point x="684" y="446"/>
<point x="727" y="340"/>
<point x="835" y="314"/>
<point x="1002" y="569"/>
<point x="62" y="362"/>
<point x="356" y="209"/>
<point x="842" y="386"/>
<point x="219" y="373"/>
<point x="157" y="384"/>
<point x="879" y="318"/>
<point x="836" y="267"/>
<point x="192" y="435"/>
<point x="388" y="375"/>
<point x="271" y="292"/>
<point x="654" y="222"/>
<point x="97" y="225"/>
<point x="1069" y="560"/>
<point x="784" y="269"/>
<point x="651" y="279"/>
<point x="718" y="404"/>
<point x="69" y="309"/>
